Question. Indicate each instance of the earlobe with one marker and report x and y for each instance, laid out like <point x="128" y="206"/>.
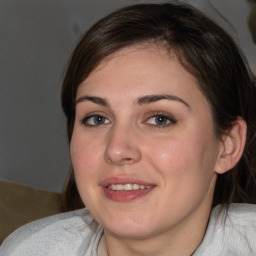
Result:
<point x="232" y="148"/>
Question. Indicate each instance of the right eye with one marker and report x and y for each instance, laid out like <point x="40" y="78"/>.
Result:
<point x="95" y="120"/>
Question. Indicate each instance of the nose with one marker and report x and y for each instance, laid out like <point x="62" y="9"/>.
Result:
<point x="122" y="147"/>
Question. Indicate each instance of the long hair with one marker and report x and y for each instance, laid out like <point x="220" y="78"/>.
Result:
<point x="205" y="50"/>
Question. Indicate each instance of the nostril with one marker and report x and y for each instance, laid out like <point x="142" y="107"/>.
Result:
<point x="121" y="161"/>
<point x="127" y="159"/>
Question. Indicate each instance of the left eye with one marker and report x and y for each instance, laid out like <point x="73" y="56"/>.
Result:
<point x="160" y="120"/>
<point x="95" y="120"/>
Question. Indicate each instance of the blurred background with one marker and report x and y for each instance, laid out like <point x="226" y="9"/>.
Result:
<point x="36" y="39"/>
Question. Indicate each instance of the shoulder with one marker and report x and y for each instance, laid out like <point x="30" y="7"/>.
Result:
<point x="61" y="234"/>
<point x="231" y="232"/>
<point x="238" y="212"/>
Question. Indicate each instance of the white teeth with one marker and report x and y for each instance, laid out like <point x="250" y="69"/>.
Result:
<point x="119" y="187"/>
<point x="126" y="187"/>
<point x="135" y="186"/>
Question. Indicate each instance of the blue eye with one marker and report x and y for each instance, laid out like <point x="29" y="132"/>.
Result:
<point x="161" y="120"/>
<point x="95" y="120"/>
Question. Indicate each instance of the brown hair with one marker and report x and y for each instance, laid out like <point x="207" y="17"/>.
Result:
<point x="205" y="50"/>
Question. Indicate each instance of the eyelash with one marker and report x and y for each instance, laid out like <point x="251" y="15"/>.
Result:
<point x="85" y="120"/>
<point x="170" y="121"/>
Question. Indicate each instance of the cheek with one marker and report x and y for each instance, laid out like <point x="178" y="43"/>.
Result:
<point x="85" y="158"/>
<point x="172" y="156"/>
<point x="186" y="168"/>
<point x="84" y="155"/>
<point x="187" y="158"/>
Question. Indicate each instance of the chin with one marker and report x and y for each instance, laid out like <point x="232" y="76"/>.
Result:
<point x="128" y="227"/>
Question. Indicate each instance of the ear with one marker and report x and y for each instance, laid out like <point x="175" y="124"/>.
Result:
<point x="231" y="147"/>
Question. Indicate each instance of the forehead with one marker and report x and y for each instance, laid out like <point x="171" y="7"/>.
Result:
<point x="146" y="68"/>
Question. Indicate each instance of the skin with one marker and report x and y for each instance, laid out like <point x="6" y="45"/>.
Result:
<point x="180" y="158"/>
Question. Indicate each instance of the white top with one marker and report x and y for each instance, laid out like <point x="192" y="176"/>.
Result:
<point x="76" y="234"/>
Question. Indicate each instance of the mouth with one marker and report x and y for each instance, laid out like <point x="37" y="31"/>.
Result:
<point x="127" y="187"/>
<point x="121" y="189"/>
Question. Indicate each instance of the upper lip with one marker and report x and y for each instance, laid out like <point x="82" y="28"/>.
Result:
<point x="124" y="180"/>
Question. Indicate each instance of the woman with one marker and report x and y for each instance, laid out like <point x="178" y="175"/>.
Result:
<point x="160" y="110"/>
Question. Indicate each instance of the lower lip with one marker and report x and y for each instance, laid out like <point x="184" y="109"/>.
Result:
<point x="125" y="195"/>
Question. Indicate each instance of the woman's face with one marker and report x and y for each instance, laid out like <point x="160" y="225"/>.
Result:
<point x="143" y="146"/>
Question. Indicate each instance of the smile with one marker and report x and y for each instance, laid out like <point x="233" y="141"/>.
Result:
<point x="127" y="187"/>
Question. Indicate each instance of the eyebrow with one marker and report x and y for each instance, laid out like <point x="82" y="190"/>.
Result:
<point x="96" y="100"/>
<point x="154" y="98"/>
<point x="147" y="99"/>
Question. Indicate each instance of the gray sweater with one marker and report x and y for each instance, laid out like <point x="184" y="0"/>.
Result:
<point x="76" y="234"/>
